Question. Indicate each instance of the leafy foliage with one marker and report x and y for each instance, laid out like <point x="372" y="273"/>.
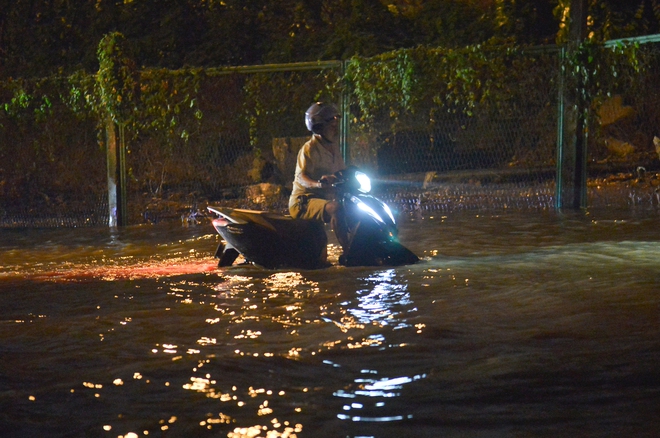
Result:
<point x="612" y="19"/>
<point x="169" y="101"/>
<point x="169" y="113"/>
<point x="428" y="81"/>
<point x="117" y="78"/>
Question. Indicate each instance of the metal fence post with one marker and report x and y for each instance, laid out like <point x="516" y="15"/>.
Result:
<point x="571" y="188"/>
<point x="345" y="113"/>
<point x="559" y="186"/>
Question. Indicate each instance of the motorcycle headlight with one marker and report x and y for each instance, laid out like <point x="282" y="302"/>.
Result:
<point x="364" y="181"/>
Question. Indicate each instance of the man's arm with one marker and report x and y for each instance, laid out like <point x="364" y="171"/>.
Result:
<point x="307" y="182"/>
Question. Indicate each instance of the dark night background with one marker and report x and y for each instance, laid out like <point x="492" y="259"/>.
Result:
<point x="45" y="37"/>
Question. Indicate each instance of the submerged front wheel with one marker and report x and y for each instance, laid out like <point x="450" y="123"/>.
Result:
<point x="389" y="253"/>
<point x="400" y="255"/>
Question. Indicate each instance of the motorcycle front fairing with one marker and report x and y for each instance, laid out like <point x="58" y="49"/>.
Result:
<point x="373" y="234"/>
<point x="363" y="204"/>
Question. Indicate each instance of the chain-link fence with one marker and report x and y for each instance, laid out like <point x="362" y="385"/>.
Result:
<point x="244" y="126"/>
<point x="499" y="154"/>
<point x="623" y="157"/>
<point x="240" y="129"/>
<point x="248" y="134"/>
<point x="52" y="169"/>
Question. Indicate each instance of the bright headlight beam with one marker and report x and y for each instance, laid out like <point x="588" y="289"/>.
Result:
<point x="389" y="212"/>
<point x="370" y="211"/>
<point x="365" y="182"/>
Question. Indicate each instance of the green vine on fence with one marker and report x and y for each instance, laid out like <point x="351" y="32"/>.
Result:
<point x="426" y="80"/>
<point x="170" y="101"/>
<point x="29" y="100"/>
<point x="117" y="79"/>
<point x="422" y="83"/>
<point x="152" y="99"/>
<point x="601" y="70"/>
<point x="594" y="73"/>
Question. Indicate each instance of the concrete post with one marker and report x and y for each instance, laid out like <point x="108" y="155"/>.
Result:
<point x="116" y="163"/>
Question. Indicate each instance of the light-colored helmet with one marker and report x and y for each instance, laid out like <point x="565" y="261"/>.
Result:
<point x="318" y="115"/>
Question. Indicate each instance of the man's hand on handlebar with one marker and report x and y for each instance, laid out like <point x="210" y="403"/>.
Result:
<point x="327" y="181"/>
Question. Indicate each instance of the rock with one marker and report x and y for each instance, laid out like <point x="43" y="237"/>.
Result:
<point x="265" y="193"/>
<point x="428" y="179"/>
<point x="618" y="147"/>
<point x="613" y="110"/>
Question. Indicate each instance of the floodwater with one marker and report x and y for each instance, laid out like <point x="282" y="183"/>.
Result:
<point x="535" y="324"/>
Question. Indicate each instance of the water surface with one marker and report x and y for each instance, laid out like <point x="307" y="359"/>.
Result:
<point x="513" y="324"/>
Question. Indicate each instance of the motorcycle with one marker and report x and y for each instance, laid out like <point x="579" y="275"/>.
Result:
<point x="272" y="240"/>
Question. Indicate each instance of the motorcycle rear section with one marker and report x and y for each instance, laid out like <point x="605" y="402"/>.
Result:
<point x="269" y="239"/>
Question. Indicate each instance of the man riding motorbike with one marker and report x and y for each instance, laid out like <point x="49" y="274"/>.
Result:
<point x="323" y="191"/>
<point x="319" y="158"/>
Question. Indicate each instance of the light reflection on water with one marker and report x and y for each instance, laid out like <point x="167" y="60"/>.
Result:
<point x="379" y="304"/>
<point x="373" y="394"/>
<point x="540" y="325"/>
